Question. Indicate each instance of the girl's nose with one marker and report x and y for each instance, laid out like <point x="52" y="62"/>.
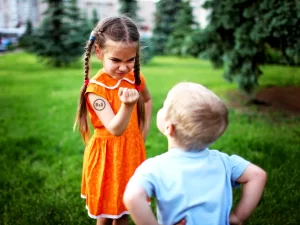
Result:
<point x="123" y="67"/>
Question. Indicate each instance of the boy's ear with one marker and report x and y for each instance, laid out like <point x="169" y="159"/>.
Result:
<point x="98" y="52"/>
<point x="169" y="129"/>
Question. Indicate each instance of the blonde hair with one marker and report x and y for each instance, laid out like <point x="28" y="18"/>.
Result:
<point x="198" y="115"/>
<point x="118" y="29"/>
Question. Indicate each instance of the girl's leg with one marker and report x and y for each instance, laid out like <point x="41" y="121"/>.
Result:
<point x="104" y="221"/>
<point x="121" y="221"/>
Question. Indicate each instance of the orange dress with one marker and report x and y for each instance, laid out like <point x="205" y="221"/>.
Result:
<point x="109" y="161"/>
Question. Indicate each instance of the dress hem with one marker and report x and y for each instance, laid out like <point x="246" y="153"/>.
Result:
<point x="104" y="215"/>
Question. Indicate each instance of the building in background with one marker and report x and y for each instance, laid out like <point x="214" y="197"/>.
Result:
<point x="104" y="7"/>
<point x="15" y="13"/>
<point x="200" y="14"/>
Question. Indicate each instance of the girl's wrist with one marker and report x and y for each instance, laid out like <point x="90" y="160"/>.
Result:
<point x="131" y="104"/>
<point x="128" y="105"/>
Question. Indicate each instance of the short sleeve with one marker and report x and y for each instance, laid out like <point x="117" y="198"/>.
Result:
<point x="144" y="176"/>
<point x="238" y="167"/>
<point x="96" y="89"/>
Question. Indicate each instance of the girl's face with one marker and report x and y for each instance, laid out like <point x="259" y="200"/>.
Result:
<point x="117" y="58"/>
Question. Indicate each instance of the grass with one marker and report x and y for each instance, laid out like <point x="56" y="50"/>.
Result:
<point x="41" y="157"/>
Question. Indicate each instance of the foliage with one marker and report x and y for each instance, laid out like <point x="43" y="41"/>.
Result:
<point x="41" y="158"/>
<point x="146" y="50"/>
<point x="86" y="25"/>
<point x="183" y="26"/>
<point x="95" y="17"/>
<point x="78" y="34"/>
<point x="129" y="7"/>
<point x="165" y="17"/>
<point x="59" y="39"/>
<point x="239" y="32"/>
<point x="193" y="44"/>
<point x="273" y="56"/>
<point x="27" y="38"/>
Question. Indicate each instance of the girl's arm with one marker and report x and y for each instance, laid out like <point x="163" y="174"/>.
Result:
<point x="148" y="110"/>
<point x="253" y="181"/>
<point x="116" y="124"/>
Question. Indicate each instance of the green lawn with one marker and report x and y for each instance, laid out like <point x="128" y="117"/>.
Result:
<point x="41" y="156"/>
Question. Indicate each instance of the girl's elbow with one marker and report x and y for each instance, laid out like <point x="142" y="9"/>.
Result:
<point x="115" y="131"/>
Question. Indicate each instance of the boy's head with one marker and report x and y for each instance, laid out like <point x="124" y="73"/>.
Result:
<point x="193" y="116"/>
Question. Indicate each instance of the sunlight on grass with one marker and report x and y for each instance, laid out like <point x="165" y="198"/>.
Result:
<point x="41" y="156"/>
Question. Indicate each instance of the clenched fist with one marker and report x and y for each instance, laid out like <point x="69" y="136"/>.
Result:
<point x="128" y="96"/>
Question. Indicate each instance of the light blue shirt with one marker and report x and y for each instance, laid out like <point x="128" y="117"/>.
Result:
<point x="193" y="185"/>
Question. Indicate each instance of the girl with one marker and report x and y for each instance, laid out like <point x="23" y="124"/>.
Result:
<point x="119" y="104"/>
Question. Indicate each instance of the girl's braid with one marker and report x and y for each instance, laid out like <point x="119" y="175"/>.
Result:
<point x="81" y="117"/>
<point x="140" y="103"/>
<point x="137" y="69"/>
<point x="88" y="51"/>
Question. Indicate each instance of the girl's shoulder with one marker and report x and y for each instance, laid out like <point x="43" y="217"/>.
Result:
<point x="104" y="80"/>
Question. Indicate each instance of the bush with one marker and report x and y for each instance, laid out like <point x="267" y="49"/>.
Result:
<point x="273" y="56"/>
<point x="146" y="50"/>
<point x="193" y="44"/>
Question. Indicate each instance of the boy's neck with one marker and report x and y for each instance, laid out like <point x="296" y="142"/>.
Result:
<point x="172" y="144"/>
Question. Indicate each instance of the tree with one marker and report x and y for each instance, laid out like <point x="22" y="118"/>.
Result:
<point x="129" y="7"/>
<point x="146" y="50"/>
<point x="183" y="26"/>
<point x="165" y="17"/>
<point x="240" y="31"/>
<point x="58" y="40"/>
<point x="87" y="25"/>
<point x="26" y="39"/>
<point x="95" y="17"/>
<point x="77" y="35"/>
<point x="194" y="44"/>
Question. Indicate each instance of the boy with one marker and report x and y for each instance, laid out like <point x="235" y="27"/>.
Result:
<point x="190" y="182"/>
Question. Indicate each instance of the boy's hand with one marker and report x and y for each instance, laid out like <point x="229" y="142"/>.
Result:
<point x="233" y="220"/>
<point x="181" y="222"/>
<point x="128" y="96"/>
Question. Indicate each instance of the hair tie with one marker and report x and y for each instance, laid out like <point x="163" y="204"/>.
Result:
<point x="92" y="38"/>
<point x="87" y="81"/>
<point x="138" y="88"/>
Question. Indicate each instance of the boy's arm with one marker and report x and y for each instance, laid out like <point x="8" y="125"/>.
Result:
<point x="135" y="199"/>
<point x="253" y="181"/>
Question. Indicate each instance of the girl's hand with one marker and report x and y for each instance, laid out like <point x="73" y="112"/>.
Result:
<point x="128" y="96"/>
<point x="234" y="220"/>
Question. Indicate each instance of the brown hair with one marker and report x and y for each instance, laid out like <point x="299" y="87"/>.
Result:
<point x="117" y="29"/>
<point x="198" y="115"/>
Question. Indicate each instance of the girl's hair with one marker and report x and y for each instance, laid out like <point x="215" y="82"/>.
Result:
<point x="117" y="29"/>
<point x="198" y="115"/>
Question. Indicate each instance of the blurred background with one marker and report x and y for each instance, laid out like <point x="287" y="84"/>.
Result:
<point x="16" y="14"/>
<point x="246" y="51"/>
